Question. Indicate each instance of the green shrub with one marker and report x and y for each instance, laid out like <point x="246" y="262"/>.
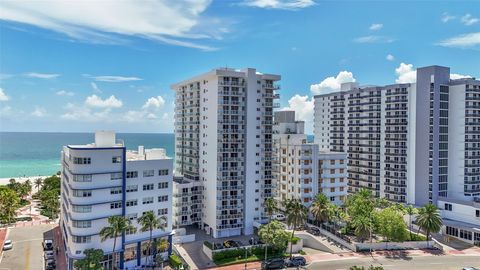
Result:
<point x="175" y="261"/>
<point x="295" y="239"/>
<point x="301" y="252"/>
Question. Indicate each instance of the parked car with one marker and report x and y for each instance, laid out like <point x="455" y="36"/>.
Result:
<point x="49" y="254"/>
<point x="230" y="244"/>
<point x="50" y="265"/>
<point x="273" y="264"/>
<point x="48" y="244"/>
<point x="296" y="261"/>
<point x="7" y="245"/>
<point x="279" y="217"/>
<point x="314" y="231"/>
<point x="217" y="246"/>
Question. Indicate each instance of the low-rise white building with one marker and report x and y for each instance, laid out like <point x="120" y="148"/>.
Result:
<point x="302" y="171"/>
<point x="103" y="179"/>
<point x="461" y="219"/>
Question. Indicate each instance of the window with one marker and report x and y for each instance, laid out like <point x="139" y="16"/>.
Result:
<point x="131" y="230"/>
<point x="116" y="190"/>
<point x="82" y="160"/>
<point x="163" y="198"/>
<point x="82" y="193"/>
<point x="448" y="207"/>
<point x="148" y="173"/>
<point x="148" y="187"/>
<point x="115" y="205"/>
<point x="82" y="178"/>
<point x="82" y="208"/>
<point x="162" y="211"/>
<point x="477" y="213"/>
<point x="163" y="172"/>
<point x="132" y="188"/>
<point x="81" y="223"/>
<point x="132" y="174"/>
<point x="131" y="216"/>
<point x="131" y="203"/>
<point x="81" y="239"/>
<point x="116" y="159"/>
<point x="116" y="176"/>
<point x="147" y="200"/>
<point x="162" y="185"/>
<point x="332" y="199"/>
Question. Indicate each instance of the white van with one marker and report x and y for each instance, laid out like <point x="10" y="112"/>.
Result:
<point x="279" y="217"/>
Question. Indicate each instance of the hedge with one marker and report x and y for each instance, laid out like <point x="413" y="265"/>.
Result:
<point x="175" y="261"/>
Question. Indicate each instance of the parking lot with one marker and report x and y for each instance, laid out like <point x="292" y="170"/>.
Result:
<point x="27" y="251"/>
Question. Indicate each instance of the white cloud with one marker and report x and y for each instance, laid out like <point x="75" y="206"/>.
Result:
<point x="376" y="26"/>
<point x="280" y="4"/>
<point x="39" y="112"/>
<point x="406" y="73"/>
<point x="374" y="39"/>
<point x="303" y="107"/>
<point x="95" y="88"/>
<point x="40" y="75"/>
<point x="6" y="112"/>
<point x="97" y="102"/>
<point x="468" y="19"/>
<point x="331" y="84"/>
<point x="390" y="57"/>
<point x="154" y="103"/>
<point x="175" y="22"/>
<point x="464" y="41"/>
<point x="446" y="17"/>
<point x="4" y="76"/>
<point x="455" y="76"/>
<point x="115" y="79"/>
<point x="65" y="93"/>
<point x="3" y="96"/>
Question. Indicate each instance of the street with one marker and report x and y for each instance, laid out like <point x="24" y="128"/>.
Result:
<point x="27" y="252"/>
<point x="445" y="262"/>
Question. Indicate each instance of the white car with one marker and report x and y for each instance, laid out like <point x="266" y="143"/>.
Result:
<point x="49" y="254"/>
<point x="7" y="245"/>
<point x="279" y="217"/>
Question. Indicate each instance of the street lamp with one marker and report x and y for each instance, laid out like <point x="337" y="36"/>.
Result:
<point x="246" y="255"/>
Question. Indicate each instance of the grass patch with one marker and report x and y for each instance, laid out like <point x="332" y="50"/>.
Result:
<point x="416" y="237"/>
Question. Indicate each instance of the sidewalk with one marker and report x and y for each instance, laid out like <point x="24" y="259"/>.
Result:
<point x="3" y="235"/>
<point x="58" y="242"/>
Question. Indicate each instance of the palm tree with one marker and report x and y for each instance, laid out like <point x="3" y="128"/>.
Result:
<point x="150" y="222"/>
<point x="297" y="214"/>
<point x="410" y="210"/>
<point x="270" y="207"/>
<point x="320" y="208"/>
<point x="38" y="183"/>
<point x="429" y="220"/>
<point x="118" y="225"/>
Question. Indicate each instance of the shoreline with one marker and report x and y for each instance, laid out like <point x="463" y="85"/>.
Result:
<point x="5" y="180"/>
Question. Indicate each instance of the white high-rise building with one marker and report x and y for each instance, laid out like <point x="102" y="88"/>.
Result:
<point x="223" y="125"/>
<point x="411" y="143"/>
<point x="103" y="179"/>
<point x="302" y="171"/>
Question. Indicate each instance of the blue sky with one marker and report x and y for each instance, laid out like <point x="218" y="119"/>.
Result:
<point x="81" y="66"/>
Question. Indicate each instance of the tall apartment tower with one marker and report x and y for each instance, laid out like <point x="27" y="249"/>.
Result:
<point x="396" y="136"/>
<point x="223" y="125"/>
<point x="103" y="179"/>
<point x="301" y="170"/>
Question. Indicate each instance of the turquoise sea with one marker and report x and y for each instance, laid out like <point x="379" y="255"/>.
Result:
<point x="38" y="153"/>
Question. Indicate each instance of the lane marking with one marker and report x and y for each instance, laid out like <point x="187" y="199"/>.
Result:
<point x="27" y="258"/>
<point x="27" y="240"/>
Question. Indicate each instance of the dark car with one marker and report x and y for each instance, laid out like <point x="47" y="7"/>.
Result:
<point x="273" y="264"/>
<point x="296" y="261"/>
<point x="314" y="231"/>
<point x="50" y="264"/>
<point x="254" y="241"/>
<point x="230" y="244"/>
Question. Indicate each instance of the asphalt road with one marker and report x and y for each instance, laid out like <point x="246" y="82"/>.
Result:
<point x="27" y="252"/>
<point x="445" y="262"/>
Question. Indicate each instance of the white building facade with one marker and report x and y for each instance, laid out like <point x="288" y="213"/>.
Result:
<point x="103" y="179"/>
<point x="223" y="125"/>
<point x="302" y="171"/>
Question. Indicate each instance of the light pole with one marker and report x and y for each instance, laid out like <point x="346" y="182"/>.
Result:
<point x="246" y="255"/>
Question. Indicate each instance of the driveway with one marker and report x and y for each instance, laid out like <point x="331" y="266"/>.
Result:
<point x="27" y="252"/>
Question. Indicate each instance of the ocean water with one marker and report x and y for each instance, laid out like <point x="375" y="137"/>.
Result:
<point x="38" y="153"/>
